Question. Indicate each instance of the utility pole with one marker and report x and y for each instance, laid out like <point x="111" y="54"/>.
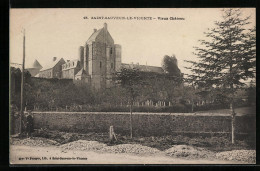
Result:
<point x="22" y="83"/>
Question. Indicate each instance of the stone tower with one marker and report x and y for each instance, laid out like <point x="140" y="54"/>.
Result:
<point x="101" y="57"/>
<point x="81" y="56"/>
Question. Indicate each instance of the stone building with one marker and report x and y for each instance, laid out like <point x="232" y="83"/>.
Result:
<point x="101" y="57"/>
<point x="34" y="68"/>
<point x="143" y="68"/>
<point x="98" y="59"/>
<point x="52" y="69"/>
<point x="70" y="69"/>
<point x="82" y="75"/>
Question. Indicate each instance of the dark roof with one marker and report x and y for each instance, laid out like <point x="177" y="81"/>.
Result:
<point x="81" y="72"/>
<point x="144" y="68"/>
<point x="51" y="64"/>
<point x="94" y="36"/>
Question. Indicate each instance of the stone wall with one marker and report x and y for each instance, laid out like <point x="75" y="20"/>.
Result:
<point x="145" y="124"/>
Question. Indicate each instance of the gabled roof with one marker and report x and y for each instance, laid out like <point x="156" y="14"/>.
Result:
<point x="81" y="72"/>
<point x="35" y="64"/>
<point x="101" y="31"/>
<point x="144" y="68"/>
<point x="94" y="36"/>
<point x="52" y="64"/>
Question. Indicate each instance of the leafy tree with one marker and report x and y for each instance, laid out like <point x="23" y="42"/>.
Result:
<point x="251" y="94"/>
<point x="113" y="96"/>
<point x="226" y="56"/>
<point x="164" y="86"/>
<point x="172" y="78"/>
<point x="130" y="80"/>
<point x="15" y="74"/>
<point x="170" y="65"/>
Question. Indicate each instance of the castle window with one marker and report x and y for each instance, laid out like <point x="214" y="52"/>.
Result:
<point x="112" y="65"/>
<point x="100" y="64"/>
<point x="111" y="51"/>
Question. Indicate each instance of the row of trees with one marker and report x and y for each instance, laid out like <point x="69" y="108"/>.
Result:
<point x="46" y="94"/>
<point x="53" y="94"/>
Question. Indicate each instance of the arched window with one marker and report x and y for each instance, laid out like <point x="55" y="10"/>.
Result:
<point x="111" y="51"/>
<point x="112" y="65"/>
<point x="100" y="64"/>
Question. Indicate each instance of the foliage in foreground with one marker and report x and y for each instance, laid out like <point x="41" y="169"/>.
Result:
<point x="63" y="95"/>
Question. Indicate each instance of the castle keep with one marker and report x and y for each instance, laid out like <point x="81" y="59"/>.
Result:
<point x="97" y="60"/>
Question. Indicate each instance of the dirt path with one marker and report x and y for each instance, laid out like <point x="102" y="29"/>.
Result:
<point x="54" y="155"/>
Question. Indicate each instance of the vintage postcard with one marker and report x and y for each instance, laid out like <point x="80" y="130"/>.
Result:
<point x="132" y="86"/>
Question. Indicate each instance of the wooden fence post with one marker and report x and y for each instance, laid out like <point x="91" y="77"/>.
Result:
<point x="112" y="135"/>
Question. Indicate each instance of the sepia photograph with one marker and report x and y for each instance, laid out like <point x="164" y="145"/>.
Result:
<point x="132" y="86"/>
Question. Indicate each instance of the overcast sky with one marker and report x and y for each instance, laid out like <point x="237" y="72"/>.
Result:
<point x="60" y="32"/>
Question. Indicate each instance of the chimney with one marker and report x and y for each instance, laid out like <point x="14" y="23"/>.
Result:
<point x="54" y="58"/>
<point x="95" y="30"/>
<point x="105" y="26"/>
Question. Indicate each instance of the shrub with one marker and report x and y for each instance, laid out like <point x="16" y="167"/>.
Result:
<point x="211" y="107"/>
